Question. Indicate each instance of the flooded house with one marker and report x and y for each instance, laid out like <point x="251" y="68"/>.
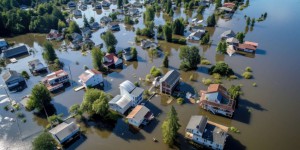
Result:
<point x="133" y="12"/>
<point x="232" y="41"/>
<point x="86" y="32"/>
<point x="36" y="66"/>
<point x="145" y="44"/>
<point x="64" y="132"/>
<point x="54" y="35"/>
<point x="140" y="115"/>
<point x="98" y="5"/>
<point x="132" y="92"/>
<point x="91" y="78"/>
<point x="3" y="44"/>
<point x="227" y="34"/>
<point x="83" y="7"/>
<point x="225" y="9"/>
<point x="196" y="35"/>
<point x="105" y="20"/>
<point x="56" y="80"/>
<point x="251" y="43"/>
<point x="105" y="3"/>
<point x="204" y="132"/>
<point x="114" y="26"/>
<point x="110" y="60"/>
<point x="217" y="100"/>
<point x="197" y="28"/>
<point x="120" y="104"/>
<point x="77" y="13"/>
<point x="126" y="53"/>
<point x="72" y="5"/>
<point x="169" y="82"/>
<point x="229" y="5"/>
<point x="13" y="79"/>
<point x="95" y="26"/>
<point x="15" y="51"/>
<point x="246" y="48"/>
<point x="76" y="38"/>
<point x="86" y="1"/>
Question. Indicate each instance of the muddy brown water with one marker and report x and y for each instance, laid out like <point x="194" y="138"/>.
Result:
<point x="266" y="115"/>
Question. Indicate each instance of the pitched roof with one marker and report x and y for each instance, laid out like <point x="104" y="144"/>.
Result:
<point x="36" y="64"/>
<point x="228" y="33"/>
<point x="197" y="123"/>
<point x="56" y="74"/>
<point x="215" y="88"/>
<point x="112" y="59"/>
<point x="198" y="33"/>
<point x="247" y="46"/>
<point x="170" y="76"/>
<point x="137" y="91"/>
<point x="121" y="101"/>
<point x="232" y="40"/>
<point x="88" y="74"/>
<point x="128" y="86"/>
<point x="11" y="74"/>
<point x="138" y="113"/>
<point x="18" y="50"/>
<point x="214" y="134"/>
<point x="64" y="130"/>
<point x="251" y="43"/>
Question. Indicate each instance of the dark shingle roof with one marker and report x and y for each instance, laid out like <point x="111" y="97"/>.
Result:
<point x="170" y="76"/>
<point x="18" y="50"/>
<point x="214" y="134"/>
<point x="197" y="122"/>
<point x="11" y="75"/>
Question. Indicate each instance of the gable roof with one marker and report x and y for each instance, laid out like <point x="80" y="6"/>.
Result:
<point x="170" y="76"/>
<point x="247" y="46"/>
<point x="128" y="86"/>
<point x="85" y="76"/>
<point x="112" y="59"/>
<point x="251" y="43"/>
<point x="215" y="134"/>
<point x="137" y="91"/>
<point x="197" y="123"/>
<point x="3" y="43"/>
<point x="121" y="101"/>
<point x="228" y="33"/>
<point x="18" y="50"/>
<point x="64" y="130"/>
<point x="36" y="64"/>
<point x="138" y="113"/>
<point x="11" y="75"/>
<point x="198" y="33"/>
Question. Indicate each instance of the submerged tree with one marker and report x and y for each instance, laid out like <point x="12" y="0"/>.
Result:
<point x="222" y="47"/>
<point x="97" y="57"/>
<point x="221" y="68"/>
<point x="166" y="61"/>
<point x="167" y="31"/>
<point x="39" y="98"/>
<point x="109" y="39"/>
<point x="178" y="26"/>
<point x="44" y="142"/>
<point x="170" y="127"/>
<point x="49" y="52"/>
<point x="134" y="53"/>
<point x="240" y="36"/>
<point x="189" y="57"/>
<point x="211" y="21"/>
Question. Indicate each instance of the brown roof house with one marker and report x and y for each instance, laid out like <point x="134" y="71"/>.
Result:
<point x="246" y="48"/>
<point x="169" y="81"/>
<point x="56" y="80"/>
<point x="110" y="60"/>
<point x="217" y="100"/>
<point x="140" y="115"/>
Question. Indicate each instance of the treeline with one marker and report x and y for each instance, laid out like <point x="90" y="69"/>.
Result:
<point x="40" y="19"/>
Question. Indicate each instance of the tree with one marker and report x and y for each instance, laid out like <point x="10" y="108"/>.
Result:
<point x="133" y="53"/>
<point x="97" y="57"/>
<point x="221" y="68"/>
<point x="218" y="4"/>
<point x="234" y="91"/>
<point x="55" y="119"/>
<point x="109" y="39"/>
<point x="171" y="13"/>
<point x="120" y="3"/>
<point x="44" y="142"/>
<point x="178" y="26"/>
<point x="155" y="72"/>
<point x="85" y="22"/>
<point x="49" y="52"/>
<point x="75" y="110"/>
<point x="247" y="2"/>
<point x="211" y="21"/>
<point x="127" y="20"/>
<point x="168" y="6"/>
<point x="39" y="98"/>
<point x="61" y="25"/>
<point x="95" y="102"/>
<point x="189" y="57"/>
<point x="248" y="21"/>
<point x="253" y="22"/>
<point x="73" y="27"/>
<point x="149" y="14"/>
<point x="240" y="36"/>
<point x="170" y="127"/>
<point x="111" y="49"/>
<point x="167" y="32"/>
<point x="205" y="39"/>
<point x="113" y="16"/>
<point x="222" y="47"/>
<point x="92" y="20"/>
<point x="166" y="62"/>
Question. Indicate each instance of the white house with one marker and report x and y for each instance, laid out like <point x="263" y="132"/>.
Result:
<point x="130" y="91"/>
<point x="196" y="35"/>
<point x="206" y="133"/>
<point x="64" y="131"/>
<point x="140" y="115"/>
<point x="91" y="78"/>
<point x="120" y="104"/>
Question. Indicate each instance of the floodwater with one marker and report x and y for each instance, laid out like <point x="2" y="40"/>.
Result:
<point x="266" y="115"/>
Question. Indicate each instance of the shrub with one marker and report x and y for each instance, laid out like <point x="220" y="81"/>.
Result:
<point x="205" y="62"/>
<point x="25" y="75"/>
<point x="85" y="67"/>
<point x="248" y="69"/>
<point x="24" y="120"/>
<point x="20" y="115"/>
<point x="6" y="107"/>
<point x="221" y="68"/>
<point x="233" y="77"/>
<point x="254" y="84"/>
<point x="155" y="72"/>
<point x="137" y="84"/>
<point x="218" y="81"/>
<point x="180" y="101"/>
<point x="148" y="77"/>
<point x="216" y="76"/>
<point x="206" y="81"/>
<point x="247" y="75"/>
<point x="234" y="129"/>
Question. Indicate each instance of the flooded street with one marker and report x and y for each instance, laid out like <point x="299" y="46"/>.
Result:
<point x="266" y="115"/>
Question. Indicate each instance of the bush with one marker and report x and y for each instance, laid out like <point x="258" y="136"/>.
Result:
<point x="20" y="115"/>
<point x="254" y="84"/>
<point x="6" y="107"/>
<point x="155" y="72"/>
<point x="205" y="62"/>
<point x="217" y="81"/>
<point x="221" y="68"/>
<point x="85" y="67"/>
<point x="25" y="75"/>
<point x="24" y="120"/>
<point x="233" y="77"/>
<point x="248" y="69"/>
<point x="182" y="41"/>
<point x="206" y="81"/>
<point x="137" y="84"/>
<point x="216" y="76"/>
<point x="247" y="75"/>
<point x="180" y="101"/>
<point x="148" y="77"/>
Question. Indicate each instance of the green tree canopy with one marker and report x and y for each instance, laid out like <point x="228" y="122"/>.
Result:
<point x="49" y="52"/>
<point x="166" y="62"/>
<point x="189" y="57"/>
<point x="149" y="14"/>
<point x="39" y="98"/>
<point x="211" y="21"/>
<point x="221" y="68"/>
<point x="109" y="39"/>
<point x="97" y="57"/>
<point x="222" y="47"/>
<point x="167" y="30"/>
<point x="44" y="142"/>
<point x="178" y="26"/>
<point x="85" y="22"/>
<point x="240" y="36"/>
<point x="134" y="53"/>
<point x="73" y="27"/>
<point x="170" y="127"/>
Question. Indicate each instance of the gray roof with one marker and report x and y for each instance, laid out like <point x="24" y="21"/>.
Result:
<point x="232" y="40"/>
<point x="197" y="122"/>
<point x="198" y="33"/>
<point x="228" y="33"/>
<point x="138" y="113"/>
<point x="11" y="75"/>
<point x="214" y="134"/>
<point x="137" y="91"/>
<point x="36" y="64"/>
<point x="170" y="76"/>
<point x="105" y="19"/>
<point x="12" y="52"/>
<point x="119" y="100"/>
<point x="64" y="130"/>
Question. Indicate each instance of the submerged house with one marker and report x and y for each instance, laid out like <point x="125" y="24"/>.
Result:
<point x="232" y="41"/>
<point x="196" y="35"/>
<point x="217" y="100"/>
<point x="56" y="80"/>
<point x="105" y="3"/>
<point x="145" y="44"/>
<point x="204" y="132"/>
<point x="71" y="5"/>
<point x="77" y="38"/>
<point x="15" y="51"/>
<point x="91" y="78"/>
<point x="227" y="34"/>
<point x="114" y="26"/>
<point x="95" y="26"/>
<point x="86" y="32"/>
<point x="36" y="66"/>
<point x="229" y="5"/>
<point x="140" y="115"/>
<point x="127" y="54"/>
<point x="64" y="132"/>
<point x="110" y="60"/>
<point x="246" y="48"/>
<point x="120" y="104"/>
<point x="105" y="20"/>
<point x="133" y="11"/>
<point x="169" y="82"/>
<point x="13" y="79"/>
<point x="77" y="13"/>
